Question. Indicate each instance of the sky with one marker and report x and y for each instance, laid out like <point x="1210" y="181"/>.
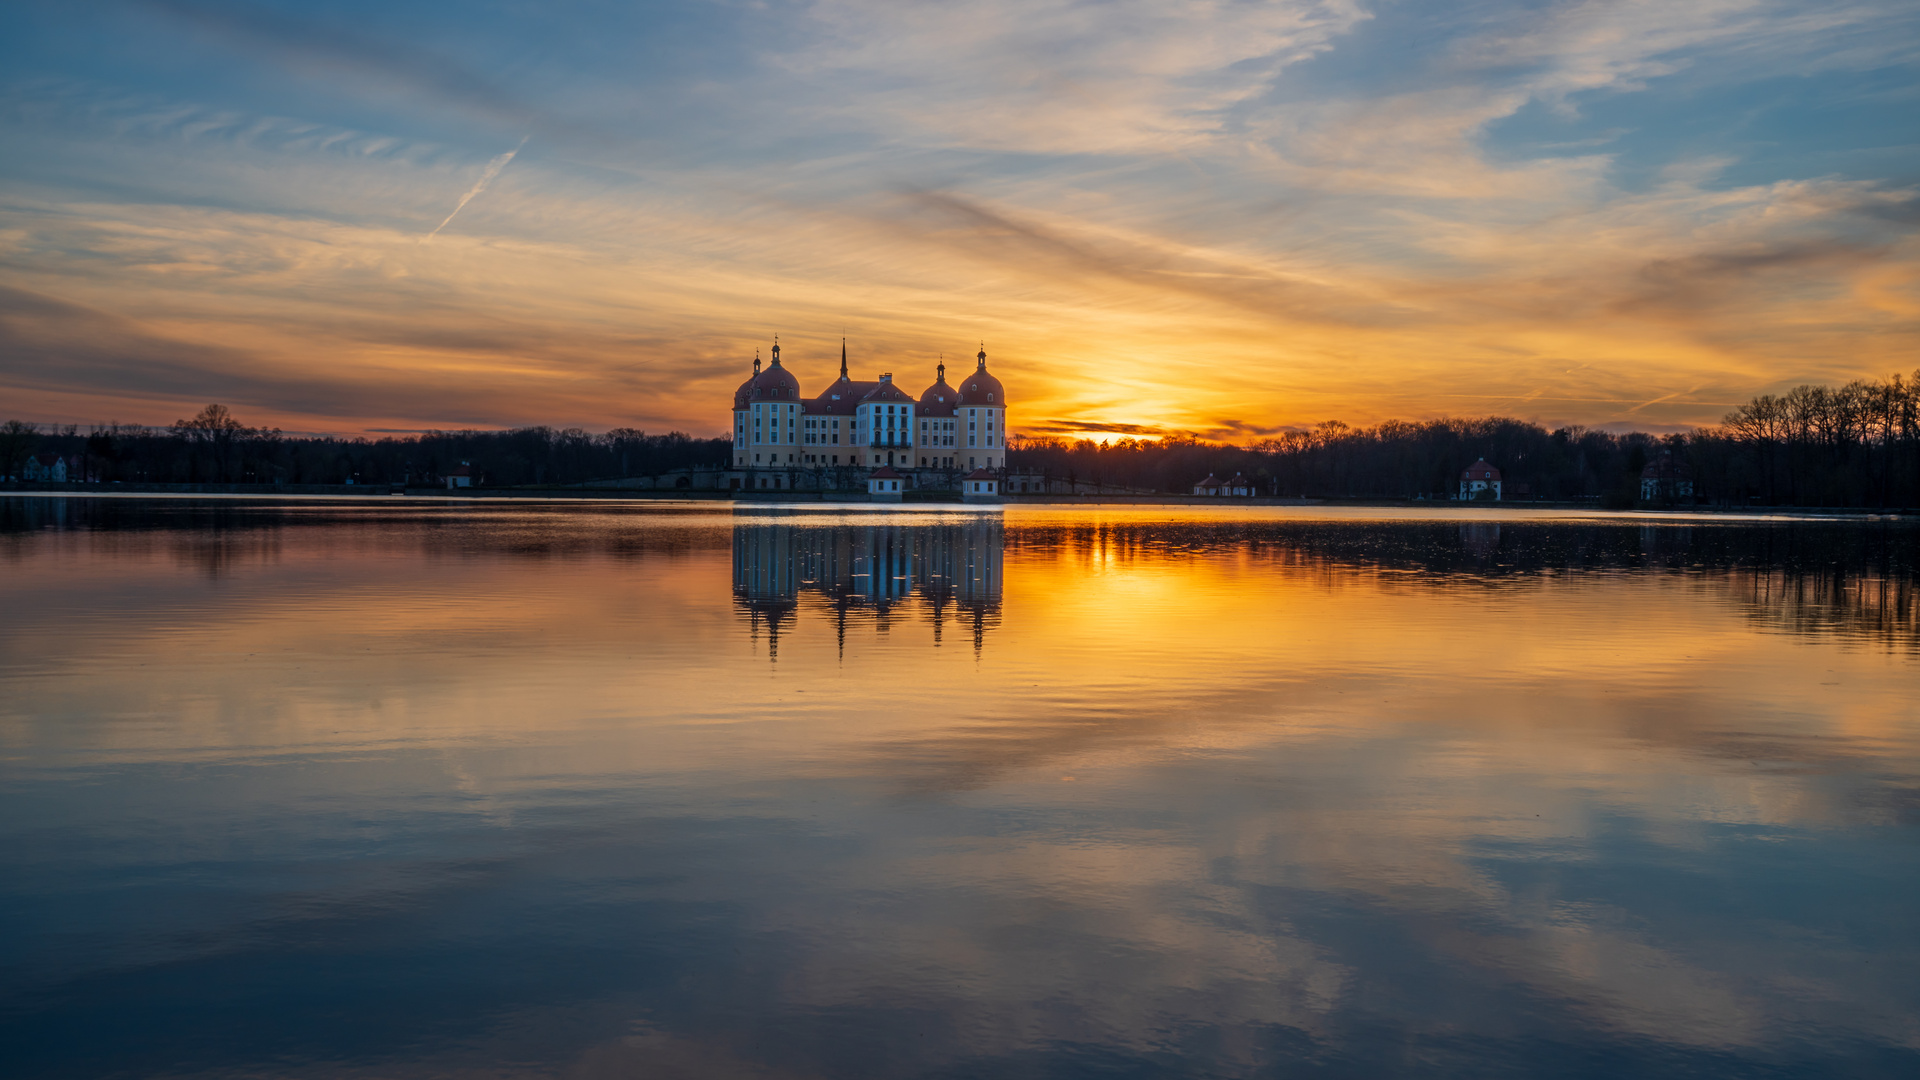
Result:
<point x="1225" y="218"/>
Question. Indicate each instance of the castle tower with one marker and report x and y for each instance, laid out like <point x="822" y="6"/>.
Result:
<point x="980" y="417"/>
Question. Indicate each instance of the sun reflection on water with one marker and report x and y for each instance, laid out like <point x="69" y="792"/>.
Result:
<point x="599" y="789"/>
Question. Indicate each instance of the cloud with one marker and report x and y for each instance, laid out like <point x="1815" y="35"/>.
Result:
<point x="55" y="346"/>
<point x="1226" y="218"/>
<point x="1148" y="266"/>
<point x="321" y="48"/>
<point x="1060" y="76"/>
<point x="1060" y="426"/>
<point x="1620" y="46"/>
<point x="486" y="177"/>
<point x="48" y="344"/>
<point x="1694" y="284"/>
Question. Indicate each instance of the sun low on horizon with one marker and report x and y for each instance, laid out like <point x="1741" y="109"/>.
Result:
<point x="1223" y="219"/>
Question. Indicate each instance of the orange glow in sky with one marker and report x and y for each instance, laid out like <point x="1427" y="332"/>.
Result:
<point x="1224" y="219"/>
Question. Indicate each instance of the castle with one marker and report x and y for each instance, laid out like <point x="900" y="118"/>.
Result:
<point x="784" y="440"/>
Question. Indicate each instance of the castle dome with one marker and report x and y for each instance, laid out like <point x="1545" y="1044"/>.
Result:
<point x="980" y="388"/>
<point x="939" y="399"/>
<point x="745" y="393"/>
<point x="776" y="383"/>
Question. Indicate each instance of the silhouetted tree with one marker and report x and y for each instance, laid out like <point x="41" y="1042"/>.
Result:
<point x="17" y="438"/>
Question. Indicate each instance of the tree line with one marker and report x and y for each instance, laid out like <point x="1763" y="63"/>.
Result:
<point x="1394" y="460"/>
<point x="1853" y="446"/>
<point x="1856" y="445"/>
<point x="213" y="447"/>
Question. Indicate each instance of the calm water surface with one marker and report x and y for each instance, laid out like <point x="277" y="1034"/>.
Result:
<point x="588" y="791"/>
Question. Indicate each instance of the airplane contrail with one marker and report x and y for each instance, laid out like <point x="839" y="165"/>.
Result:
<point x="486" y="177"/>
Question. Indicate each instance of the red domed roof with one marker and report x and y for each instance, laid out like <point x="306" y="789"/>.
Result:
<point x="939" y="399"/>
<point x="981" y="388"/>
<point x="885" y="472"/>
<point x="1480" y="470"/>
<point x="776" y="384"/>
<point x="745" y="393"/>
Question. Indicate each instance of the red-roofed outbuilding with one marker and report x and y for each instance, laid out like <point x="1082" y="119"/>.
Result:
<point x="1480" y="481"/>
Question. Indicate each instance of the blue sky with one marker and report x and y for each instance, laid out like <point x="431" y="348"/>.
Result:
<point x="1219" y="217"/>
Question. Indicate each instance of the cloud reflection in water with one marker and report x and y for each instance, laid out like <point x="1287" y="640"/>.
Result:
<point x="402" y="791"/>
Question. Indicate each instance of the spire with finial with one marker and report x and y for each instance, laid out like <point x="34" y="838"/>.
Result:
<point x="941" y="371"/>
<point x="983" y="356"/>
<point x="776" y="350"/>
<point x="756" y="361"/>
<point x="843" y="358"/>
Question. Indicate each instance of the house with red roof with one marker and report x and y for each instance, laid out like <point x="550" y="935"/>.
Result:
<point x="883" y="484"/>
<point x="49" y="468"/>
<point x="1480" y="481"/>
<point x="980" y="486"/>
<point x="1666" y="480"/>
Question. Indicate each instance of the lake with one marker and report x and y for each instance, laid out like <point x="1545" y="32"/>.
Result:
<point x="413" y="789"/>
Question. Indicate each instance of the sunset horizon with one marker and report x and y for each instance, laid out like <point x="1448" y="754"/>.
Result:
<point x="1225" y="220"/>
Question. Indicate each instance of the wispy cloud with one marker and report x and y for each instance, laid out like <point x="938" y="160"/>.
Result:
<point x="486" y="177"/>
<point x="324" y="48"/>
<point x="1057" y="76"/>
<point x="1222" y="218"/>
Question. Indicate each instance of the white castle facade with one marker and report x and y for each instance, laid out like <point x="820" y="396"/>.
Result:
<point x="782" y="439"/>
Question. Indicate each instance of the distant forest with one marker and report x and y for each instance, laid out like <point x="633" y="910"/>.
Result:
<point x="1852" y="446"/>
<point x="216" y="448"/>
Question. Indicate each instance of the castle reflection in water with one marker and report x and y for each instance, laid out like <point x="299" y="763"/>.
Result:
<point x="943" y="574"/>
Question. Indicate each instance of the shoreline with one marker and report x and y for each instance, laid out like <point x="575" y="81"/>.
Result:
<point x="802" y="500"/>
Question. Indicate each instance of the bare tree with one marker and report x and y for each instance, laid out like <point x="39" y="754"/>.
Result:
<point x="16" y="443"/>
